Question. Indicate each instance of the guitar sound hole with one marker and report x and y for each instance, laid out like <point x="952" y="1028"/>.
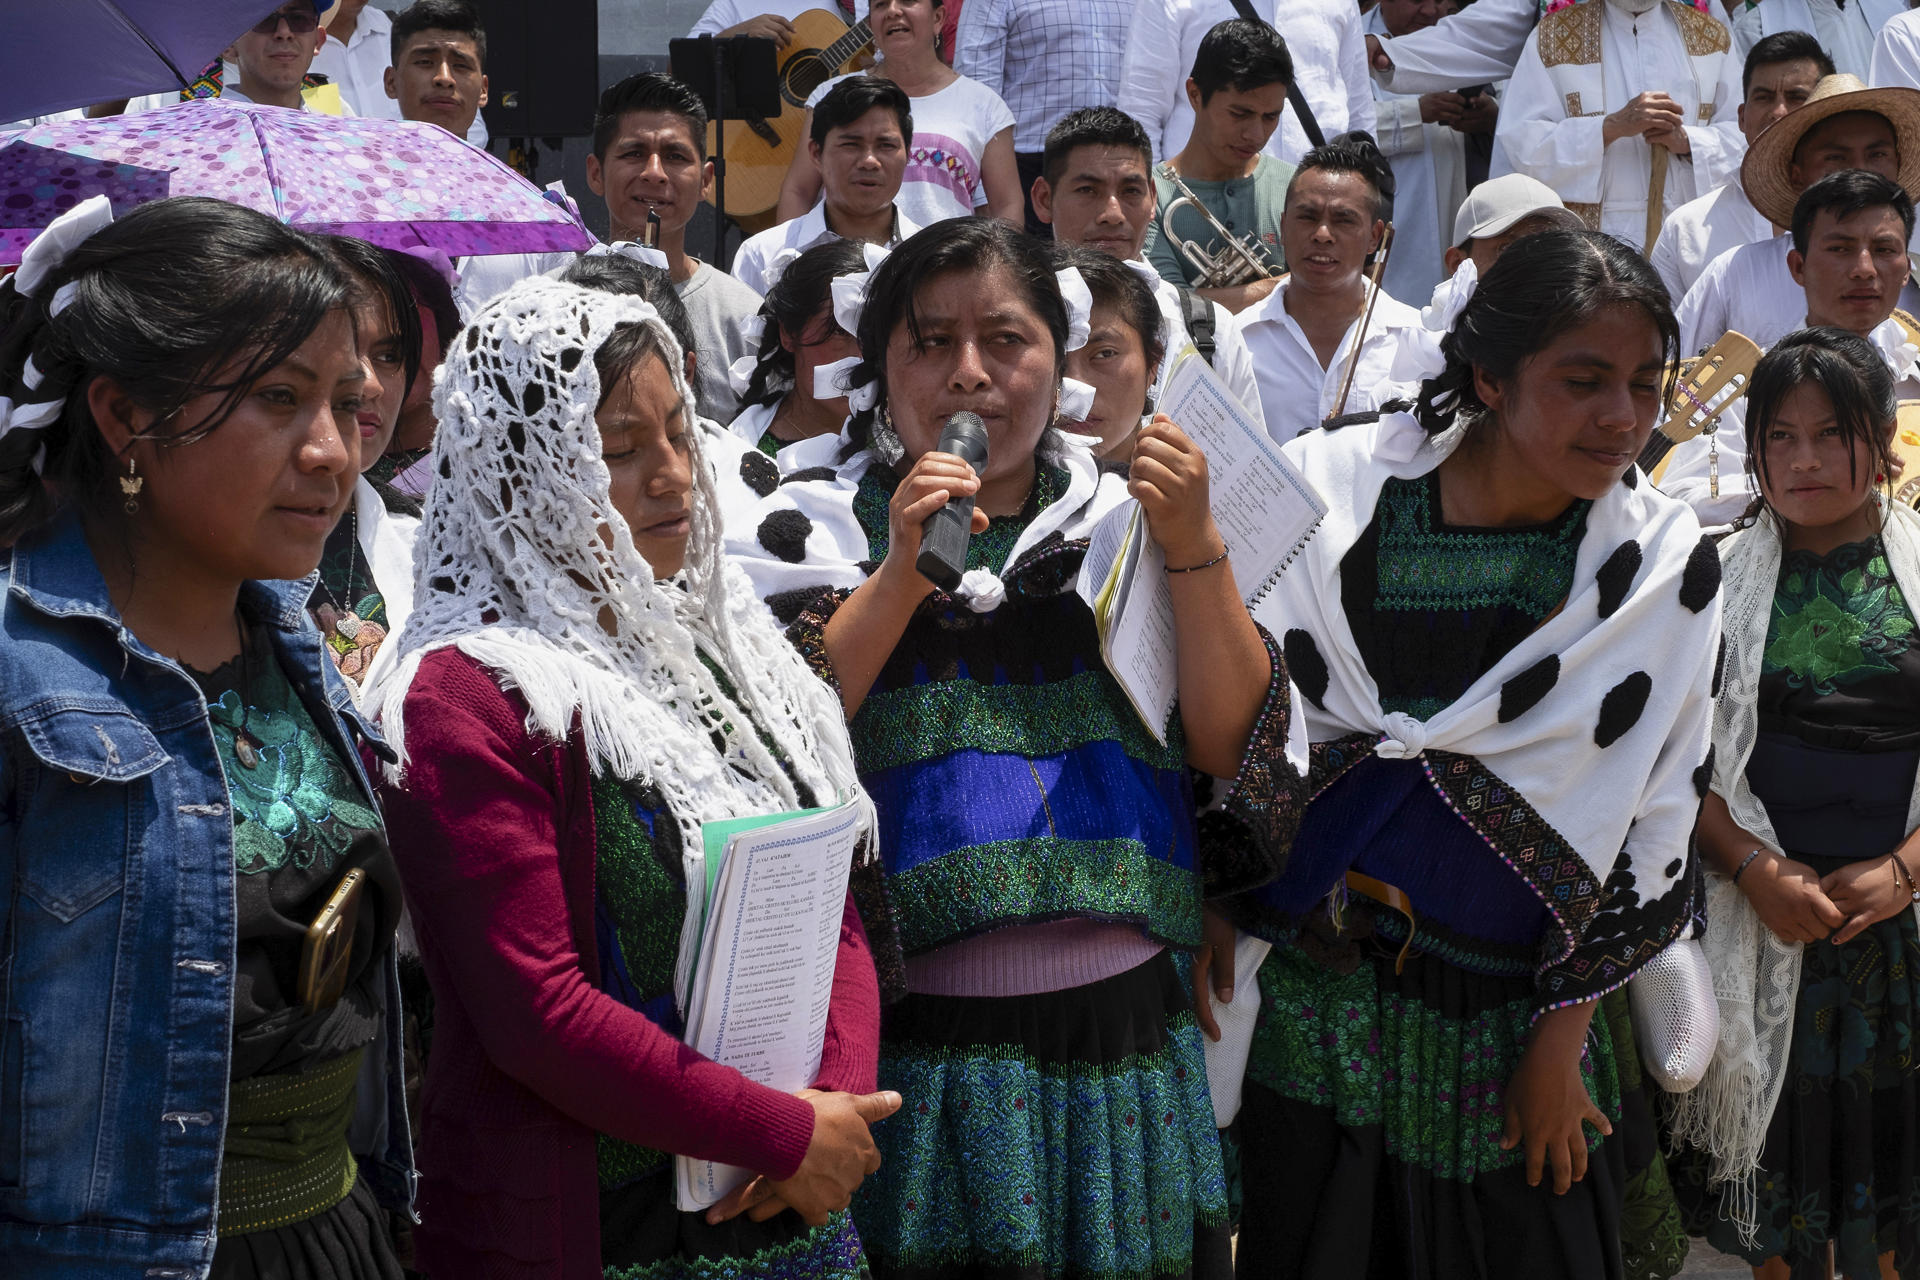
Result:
<point x="802" y="74"/>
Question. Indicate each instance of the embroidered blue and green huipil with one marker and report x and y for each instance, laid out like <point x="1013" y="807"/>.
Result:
<point x="1015" y="782"/>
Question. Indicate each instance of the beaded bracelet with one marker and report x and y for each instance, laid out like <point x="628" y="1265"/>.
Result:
<point x="1195" y="568"/>
<point x="1744" y="863"/>
<point x="1913" y="890"/>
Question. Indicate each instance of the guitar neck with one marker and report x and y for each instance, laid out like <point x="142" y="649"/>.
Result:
<point x="841" y="51"/>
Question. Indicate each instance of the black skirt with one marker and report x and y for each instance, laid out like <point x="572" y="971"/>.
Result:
<point x="350" y="1241"/>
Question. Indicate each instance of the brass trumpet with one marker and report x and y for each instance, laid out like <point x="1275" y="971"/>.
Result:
<point x="1240" y="260"/>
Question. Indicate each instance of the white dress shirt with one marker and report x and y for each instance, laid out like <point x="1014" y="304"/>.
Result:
<point x="1478" y="45"/>
<point x="1638" y="54"/>
<point x="1750" y="289"/>
<point x="1045" y="58"/>
<point x="1845" y="32"/>
<point x="1701" y="230"/>
<point x="1430" y="171"/>
<point x="765" y="254"/>
<point x="1896" y="53"/>
<point x="1329" y="62"/>
<point x="359" y="64"/>
<point x="1287" y="369"/>
<point x="1688" y="476"/>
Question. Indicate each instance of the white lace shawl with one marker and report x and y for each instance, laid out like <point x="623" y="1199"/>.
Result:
<point x="1756" y="975"/>
<point x="1598" y="720"/>
<point x="510" y="568"/>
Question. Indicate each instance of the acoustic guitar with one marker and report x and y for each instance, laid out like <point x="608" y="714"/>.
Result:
<point x="1703" y="388"/>
<point x="758" y="151"/>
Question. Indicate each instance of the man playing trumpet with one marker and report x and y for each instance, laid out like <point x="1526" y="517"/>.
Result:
<point x="1234" y="195"/>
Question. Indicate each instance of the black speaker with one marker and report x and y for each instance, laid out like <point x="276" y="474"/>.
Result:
<point x="543" y="67"/>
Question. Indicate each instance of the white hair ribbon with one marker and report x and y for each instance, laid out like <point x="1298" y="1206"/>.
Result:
<point x="645" y="255"/>
<point x="753" y="332"/>
<point x="850" y="299"/>
<point x="63" y="235"/>
<point x="829" y="383"/>
<point x="1079" y="300"/>
<point x="1900" y="355"/>
<point x="1417" y="355"/>
<point x="1076" y="400"/>
<point x="777" y="267"/>
<point x="850" y="290"/>
<point x="40" y="260"/>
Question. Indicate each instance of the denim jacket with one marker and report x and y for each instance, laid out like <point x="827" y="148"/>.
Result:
<point x="117" y="931"/>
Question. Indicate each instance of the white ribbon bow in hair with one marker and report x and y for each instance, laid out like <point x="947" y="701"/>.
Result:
<point x="1079" y="300"/>
<point x="753" y="330"/>
<point x="1417" y="355"/>
<point x="777" y="266"/>
<point x="827" y="385"/>
<point x="50" y="248"/>
<point x="40" y="260"/>
<point x="1076" y="400"/>
<point x="850" y="290"/>
<point x="645" y="255"/>
<point x="1901" y="356"/>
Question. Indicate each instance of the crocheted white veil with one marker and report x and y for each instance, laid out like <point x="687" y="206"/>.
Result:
<point x="1756" y="975"/>
<point x="511" y="569"/>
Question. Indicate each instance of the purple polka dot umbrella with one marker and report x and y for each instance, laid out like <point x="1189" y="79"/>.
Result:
<point x="397" y="183"/>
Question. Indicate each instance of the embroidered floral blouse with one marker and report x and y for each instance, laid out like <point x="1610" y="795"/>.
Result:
<point x="300" y="823"/>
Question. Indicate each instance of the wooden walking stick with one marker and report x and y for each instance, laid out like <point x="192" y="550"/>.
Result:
<point x="1656" y="197"/>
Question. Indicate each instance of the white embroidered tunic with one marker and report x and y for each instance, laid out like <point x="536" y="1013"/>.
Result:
<point x="1586" y="62"/>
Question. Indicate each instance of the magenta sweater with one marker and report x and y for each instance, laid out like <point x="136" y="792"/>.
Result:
<point x="494" y="834"/>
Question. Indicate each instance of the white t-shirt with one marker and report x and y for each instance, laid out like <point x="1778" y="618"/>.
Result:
<point x="951" y="130"/>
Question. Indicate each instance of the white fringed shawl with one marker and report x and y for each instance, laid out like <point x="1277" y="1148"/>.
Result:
<point x="1756" y="975"/>
<point x="1576" y="756"/>
<point x="510" y="568"/>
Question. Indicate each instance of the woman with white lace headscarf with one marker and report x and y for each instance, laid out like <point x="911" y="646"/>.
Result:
<point x="582" y="684"/>
<point x="1805" y="1125"/>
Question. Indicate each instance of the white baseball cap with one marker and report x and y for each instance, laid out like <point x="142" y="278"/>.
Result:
<point x="1497" y="204"/>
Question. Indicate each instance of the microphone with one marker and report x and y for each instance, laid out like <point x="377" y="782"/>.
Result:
<point x="943" y="541"/>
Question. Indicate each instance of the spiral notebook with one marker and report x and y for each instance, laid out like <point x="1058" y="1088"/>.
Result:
<point x="1264" y="509"/>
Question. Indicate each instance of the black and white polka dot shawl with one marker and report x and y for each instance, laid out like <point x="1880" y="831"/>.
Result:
<point x="1580" y="757"/>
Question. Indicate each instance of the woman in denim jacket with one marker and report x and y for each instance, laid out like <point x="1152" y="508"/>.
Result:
<point x="188" y="1085"/>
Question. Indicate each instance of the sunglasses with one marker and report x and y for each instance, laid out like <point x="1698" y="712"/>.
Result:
<point x="300" y="22"/>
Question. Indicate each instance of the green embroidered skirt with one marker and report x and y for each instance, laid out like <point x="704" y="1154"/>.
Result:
<point x="1062" y="1134"/>
<point x="1372" y="1123"/>
<point x="1841" y="1165"/>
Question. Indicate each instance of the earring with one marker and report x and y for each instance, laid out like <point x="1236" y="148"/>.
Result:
<point x="131" y="484"/>
<point x="1879" y="477"/>
<point x="884" y="440"/>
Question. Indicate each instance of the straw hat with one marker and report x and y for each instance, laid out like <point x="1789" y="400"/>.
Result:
<point x="1764" y="172"/>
